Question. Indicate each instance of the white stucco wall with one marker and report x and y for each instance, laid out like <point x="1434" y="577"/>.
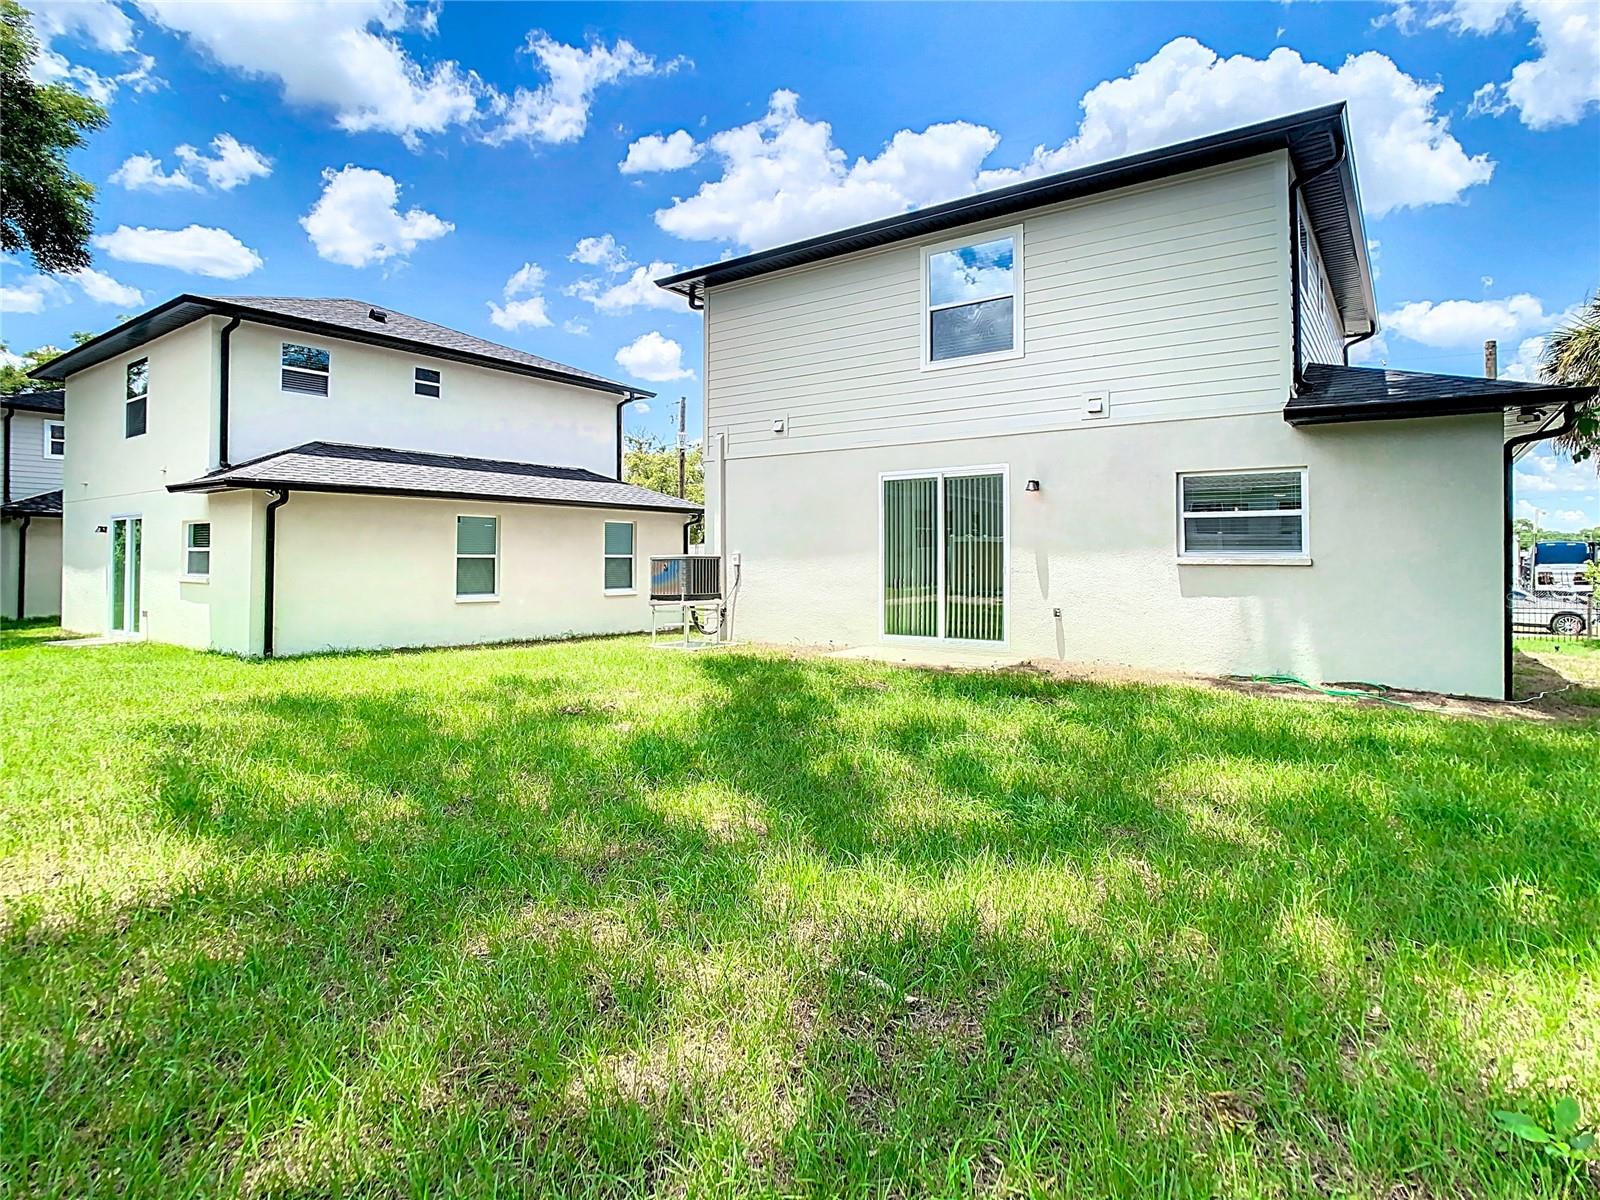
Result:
<point x="32" y="470"/>
<point x="42" y="595"/>
<point x="368" y="572"/>
<point x="107" y="474"/>
<point x="371" y="401"/>
<point x="1403" y="532"/>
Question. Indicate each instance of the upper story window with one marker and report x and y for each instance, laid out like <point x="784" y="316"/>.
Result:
<point x="1251" y="515"/>
<point x="55" y="439"/>
<point x="426" y="381"/>
<point x="972" y="300"/>
<point x="305" y="369"/>
<point x="138" y="398"/>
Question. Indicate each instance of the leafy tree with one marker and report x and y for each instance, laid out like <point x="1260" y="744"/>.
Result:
<point x="14" y="376"/>
<point x="649" y="462"/>
<point x="45" y="207"/>
<point x="1572" y="358"/>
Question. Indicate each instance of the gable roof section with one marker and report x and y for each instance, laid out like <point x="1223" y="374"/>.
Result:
<point x="379" y="471"/>
<point x="1314" y="139"/>
<point x="45" y="504"/>
<point x="349" y="319"/>
<point x="1333" y="394"/>
<point x="54" y="402"/>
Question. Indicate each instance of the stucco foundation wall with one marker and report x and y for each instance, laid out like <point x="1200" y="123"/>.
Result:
<point x="43" y="592"/>
<point x="1404" y="531"/>
<point x="369" y="572"/>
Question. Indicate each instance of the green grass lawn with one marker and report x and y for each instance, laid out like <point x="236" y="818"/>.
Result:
<point x="587" y="919"/>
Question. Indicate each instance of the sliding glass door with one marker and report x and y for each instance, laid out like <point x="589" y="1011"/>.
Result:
<point x="126" y="536"/>
<point x="944" y="556"/>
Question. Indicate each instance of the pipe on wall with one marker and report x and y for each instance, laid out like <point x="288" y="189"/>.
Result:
<point x="22" y="568"/>
<point x="222" y="391"/>
<point x="268" y="603"/>
<point x="5" y="452"/>
<point x="621" y="404"/>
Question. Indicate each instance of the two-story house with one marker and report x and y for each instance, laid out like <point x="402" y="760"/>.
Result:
<point x="269" y="475"/>
<point x="33" y="441"/>
<point x="1107" y="416"/>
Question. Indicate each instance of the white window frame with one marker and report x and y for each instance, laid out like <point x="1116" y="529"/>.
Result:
<point x="926" y="310"/>
<point x="633" y="559"/>
<point x="418" y="383"/>
<point x="328" y="374"/>
<point x="1302" y="559"/>
<point x="50" y="441"/>
<point x="127" y="399"/>
<point x="941" y="473"/>
<point x="187" y="576"/>
<point x="457" y="556"/>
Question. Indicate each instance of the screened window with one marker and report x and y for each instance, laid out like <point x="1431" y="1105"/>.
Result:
<point x="477" y="557"/>
<point x="426" y="382"/>
<point x="305" y="370"/>
<point x="1259" y="514"/>
<point x="197" y="549"/>
<point x="55" y="439"/>
<point x="138" y="397"/>
<point x="619" y="556"/>
<point x="972" y="309"/>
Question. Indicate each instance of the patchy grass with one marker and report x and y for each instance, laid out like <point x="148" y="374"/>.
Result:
<point x="1568" y="671"/>
<point x="589" y="920"/>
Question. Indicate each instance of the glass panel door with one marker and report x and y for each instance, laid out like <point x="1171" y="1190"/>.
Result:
<point x="126" y="536"/>
<point x="911" y="557"/>
<point x="944" y="557"/>
<point x="974" y="558"/>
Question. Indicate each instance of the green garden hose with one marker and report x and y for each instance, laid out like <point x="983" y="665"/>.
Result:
<point x="1377" y="692"/>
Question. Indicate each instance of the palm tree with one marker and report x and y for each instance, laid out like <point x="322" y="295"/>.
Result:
<point x="1572" y="358"/>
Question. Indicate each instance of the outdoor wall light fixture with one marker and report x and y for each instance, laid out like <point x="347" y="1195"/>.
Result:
<point x="1032" y="486"/>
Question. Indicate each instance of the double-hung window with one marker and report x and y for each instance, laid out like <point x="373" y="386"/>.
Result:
<point x="619" y="556"/>
<point x="138" y="397"/>
<point x="197" y="550"/>
<point x="305" y="369"/>
<point x="1243" y="516"/>
<point x="55" y="439"/>
<point x="477" y="558"/>
<point x="425" y="381"/>
<point x="972" y="299"/>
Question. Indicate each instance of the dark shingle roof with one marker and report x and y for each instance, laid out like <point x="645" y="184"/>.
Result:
<point x="375" y="470"/>
<point x="45" y="504"/>
<point x="340" y="318"/>
<point x="45" y="402"/>
<point x="1332" y="394"/>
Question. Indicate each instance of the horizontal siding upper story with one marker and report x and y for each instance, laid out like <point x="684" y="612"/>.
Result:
<point x="1169" y="299"/>
<point x="1321" y="334"/>
<point x="32" y="469"/>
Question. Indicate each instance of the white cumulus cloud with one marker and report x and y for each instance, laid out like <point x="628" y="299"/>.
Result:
<point x="656" y="153"/>
<point x="103" y="289"/>
<point x="602" y="252"/>
<point x="524" y="305"/>
<point x="1406" y="155"/>
<point x="653" y="357"/>
<point x="357" y="220"/>
<point x="230" y="164"/>
<point x="557" y="111"/>
<point x="638" y="290"/>
<point x="31" y="294"/>
<point x="341" y="56"/>
<point x="97" y="23"/>
<point x="196" y="249"/>
<point x="1453" y="323"/>
<point x="145" y="173"/>
<point x="783" y="178"/>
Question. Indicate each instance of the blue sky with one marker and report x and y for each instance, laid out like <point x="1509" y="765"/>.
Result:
<point x="464" y="162"/>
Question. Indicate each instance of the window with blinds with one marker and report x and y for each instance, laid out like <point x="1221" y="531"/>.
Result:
<point x="944" y="556"/>
<point x="197" y="549"/>
<point x="306" y="369"/>
<point x="1243" y="514"/>
<point x="477" y="557"/>
<point x="973" y="309"/>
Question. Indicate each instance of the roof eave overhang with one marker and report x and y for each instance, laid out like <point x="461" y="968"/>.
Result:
<point x="1464" y="406"/>
<point x="187" y="308"/>
<point x="1291" y="134"/>
<point x="212" y="486"/>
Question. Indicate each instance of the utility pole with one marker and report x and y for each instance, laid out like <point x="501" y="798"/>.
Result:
<point x="683" y="442"/>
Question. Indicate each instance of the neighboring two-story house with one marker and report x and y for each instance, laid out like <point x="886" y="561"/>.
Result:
<point x="1107" y="416"/>
<point x="32" y="445"/>
<point x="269" y="475"/>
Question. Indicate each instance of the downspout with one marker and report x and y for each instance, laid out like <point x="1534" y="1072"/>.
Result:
<point x="1568" y="422"/>
<point x="1296" y="186"/>
<point x="22" y="568"/>
<point x="222" y="393"/>
<point x="621" y="404"/>
<point x="1357" y="340"/>
<point x="693" y="306"/>
<point x="5" y="484"/>
<point x="280" y="498"/>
